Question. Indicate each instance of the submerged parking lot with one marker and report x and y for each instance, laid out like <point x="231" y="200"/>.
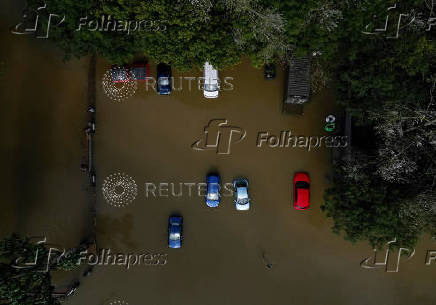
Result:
<point x="271" y="254"/>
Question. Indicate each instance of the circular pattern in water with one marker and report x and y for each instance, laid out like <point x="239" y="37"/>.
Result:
<point x="121" y="89"/>
<point x="119" y="189"/>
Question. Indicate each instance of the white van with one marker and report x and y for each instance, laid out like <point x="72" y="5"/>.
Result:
<point x="211" y="83"/>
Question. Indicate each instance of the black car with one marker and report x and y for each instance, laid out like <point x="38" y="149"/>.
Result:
<point x="163" y="79"/>
<point x="175" y="232"/>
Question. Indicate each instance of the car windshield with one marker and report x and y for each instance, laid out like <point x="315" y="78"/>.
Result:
<point x="241" y="184"/>
<point x="242" y="200"/>
<point x="210" y="87"/>
<point x="301" y="185"/>
<point x="212" y="196"/>
<point x="174" y="236"/>
<point x="164" y="81"/>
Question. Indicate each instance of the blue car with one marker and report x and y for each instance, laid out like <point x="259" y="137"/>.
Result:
<point x="213" y="190"/>
<point x="163" y="79"/>
<point x="175" y="232"/>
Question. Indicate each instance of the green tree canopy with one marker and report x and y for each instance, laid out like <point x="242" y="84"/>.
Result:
<point x="183" y="33"/>
<point x="25" y="280"/>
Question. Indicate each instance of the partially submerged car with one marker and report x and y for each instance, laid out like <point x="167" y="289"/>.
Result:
<point x="297" y="91"/>
<point x="211" y="81"/>
<point x="242" y="200"/>
<point x="120" y="74"/>
<point x="213" y="190"/>
<point x="301" y="196"/>
<point x="163" y="79"/>
<point x="140" y="71"/>
<point x="175" y="232"/>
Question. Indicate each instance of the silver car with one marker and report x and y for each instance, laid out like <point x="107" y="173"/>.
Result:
<point x="242" y="200"/>
<point x="211" y="81"/>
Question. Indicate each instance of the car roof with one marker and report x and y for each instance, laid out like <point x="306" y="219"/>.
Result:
<point x="302" y="197"/>
<point x="242" y="192"/>
<point x="213" y="187"/>
<point x="213" y="183"/>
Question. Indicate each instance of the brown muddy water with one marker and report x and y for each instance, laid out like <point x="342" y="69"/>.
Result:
<point x="149" y="137"/>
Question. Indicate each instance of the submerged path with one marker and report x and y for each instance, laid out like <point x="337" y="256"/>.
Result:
<point x="90" y="134"/>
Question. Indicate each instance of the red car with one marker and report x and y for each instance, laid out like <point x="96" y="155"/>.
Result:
<point x="140" y="71"/>
<point x="301" y="191"/>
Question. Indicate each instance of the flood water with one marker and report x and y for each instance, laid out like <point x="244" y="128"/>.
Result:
<point x="148" y="137"/>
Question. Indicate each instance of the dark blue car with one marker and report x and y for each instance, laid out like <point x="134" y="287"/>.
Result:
<point x="163" y="79"/>
<point x="175" y="232"/>
<point x="213" y="190"/>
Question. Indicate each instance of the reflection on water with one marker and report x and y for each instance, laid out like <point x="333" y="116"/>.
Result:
<point x="269" y="255"/>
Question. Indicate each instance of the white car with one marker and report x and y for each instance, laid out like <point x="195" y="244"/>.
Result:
<point x="242" y="201"/>
<point x="211" y="82"/>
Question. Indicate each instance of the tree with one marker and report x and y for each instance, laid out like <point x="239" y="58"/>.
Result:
<point x="29" y="284"/>
<point x="184" y="33"/>
<point x="367" y="209"/>
<point x="420" y="213"/>
<point x="407" y="143"/>
<point x="386" y="191"/>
